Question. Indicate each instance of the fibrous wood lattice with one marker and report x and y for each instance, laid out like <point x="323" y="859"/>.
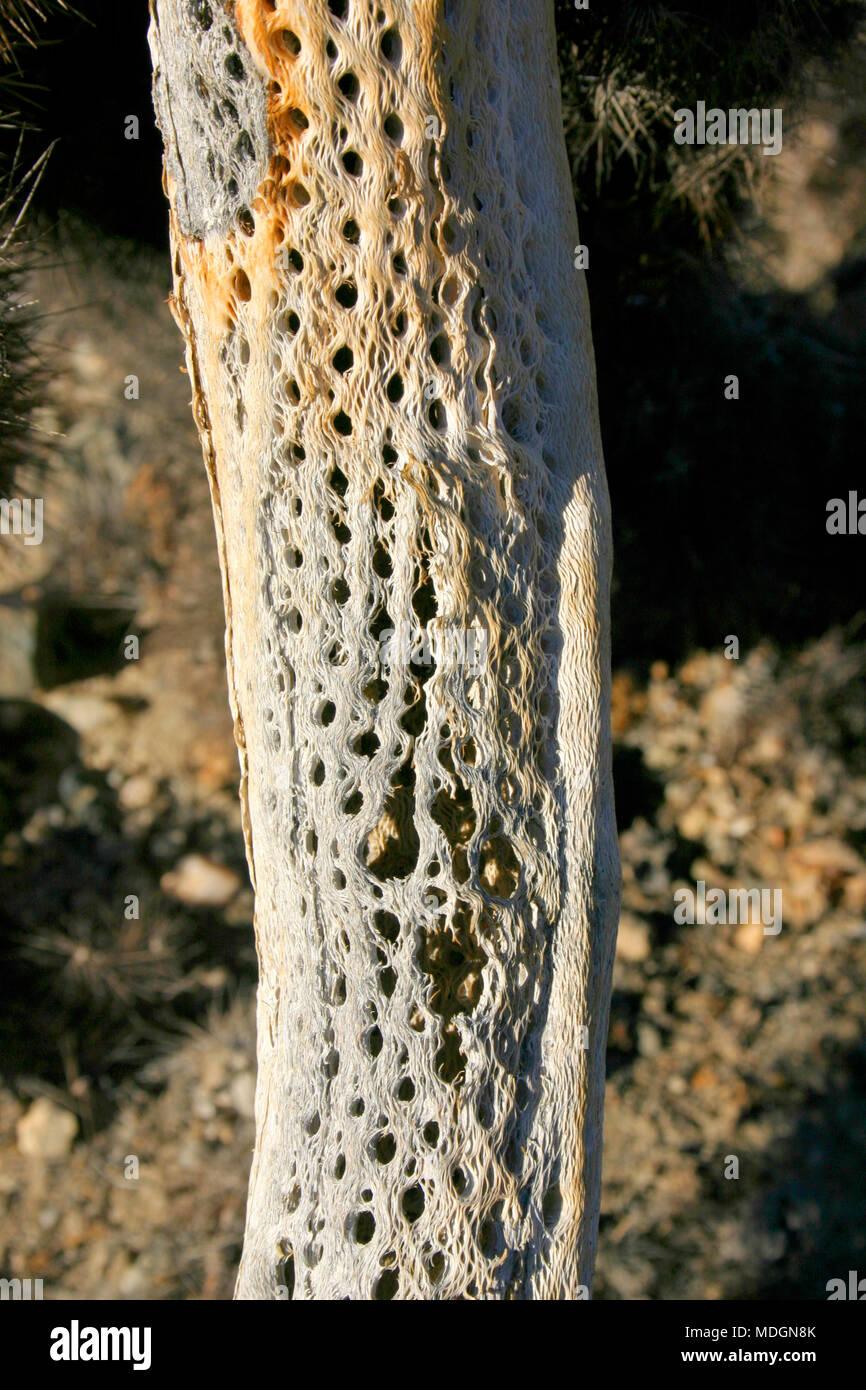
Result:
<point x="373" y="237"/>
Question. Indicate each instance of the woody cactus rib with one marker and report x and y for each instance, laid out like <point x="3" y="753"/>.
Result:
<point x="389" y="346"/>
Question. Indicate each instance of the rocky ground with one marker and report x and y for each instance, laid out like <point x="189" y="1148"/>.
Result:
<point x="727" y="1041"/>
<point x="735" y="1135"/>
<point x="119" y="782"/>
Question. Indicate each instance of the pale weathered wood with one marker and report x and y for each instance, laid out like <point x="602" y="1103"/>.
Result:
<point x="393" y="379"/>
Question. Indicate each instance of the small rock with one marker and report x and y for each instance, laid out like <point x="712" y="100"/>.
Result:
<point x="215" y="760"/>
<point x="774" y="836"/>
<point x="767" y="750"/>
<point x="741" y="826"/>
<point x="749" y="937"/>
<point x="215" y="978"/>
<point x="633" y="938"/>
<point x="692" y="824"/>
<point x="832" y="857"/>
<point x="649" y="1040"/>
<point x="204" y="1108"/>
<point x="242" y="1093"/>
<point x="17" y="650"/>
<point x="137" y="792"/>
<point x="47" y="1130"/>
<point x="855" y="893"/>
<point x="189" y="1155"/>
<point x="88" y="714"/>
<point x="213" y="1073"/>
<point x="721" y="710"/>
<point x="200" y="882"/>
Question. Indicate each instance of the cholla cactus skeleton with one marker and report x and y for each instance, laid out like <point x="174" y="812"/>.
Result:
<point x="389" y="347"/>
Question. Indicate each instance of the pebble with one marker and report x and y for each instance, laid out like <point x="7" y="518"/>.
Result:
<point x="200" y="882"/>
<point x="137" y="792"/>
<point x="633" y="938"/>
<point x="47" y="1130"/>
<point x="17" y="650"/>
<point x="749" y="937"/>
<point x="649" y="1040"/>
<point x="242" y="1093"/>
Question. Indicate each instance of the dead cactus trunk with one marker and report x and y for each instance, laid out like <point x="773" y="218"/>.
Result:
<point x="389" y="346"/>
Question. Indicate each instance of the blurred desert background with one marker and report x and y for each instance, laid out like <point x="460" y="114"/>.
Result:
<point x="133" y="1037"/>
